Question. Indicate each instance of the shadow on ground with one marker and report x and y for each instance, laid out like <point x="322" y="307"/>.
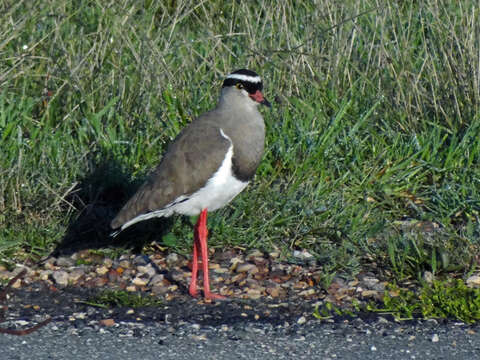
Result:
<point x="98" y="197"/>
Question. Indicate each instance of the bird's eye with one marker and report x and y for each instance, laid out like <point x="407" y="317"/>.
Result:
<point x="239" y="86"/>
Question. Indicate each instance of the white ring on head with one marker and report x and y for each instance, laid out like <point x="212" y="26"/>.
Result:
<point x="242" y="77"/>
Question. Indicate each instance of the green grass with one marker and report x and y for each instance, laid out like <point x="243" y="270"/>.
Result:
<point x="375" y="123"/>
<point x="441" y="299"/>
<point x="116" y="298"/>
<point x="451" y="299"/>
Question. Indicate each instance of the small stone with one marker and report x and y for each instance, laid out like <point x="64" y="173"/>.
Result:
<point x="373" y="348"/>
<point x="172" y="288"/>
<point x="235" y="262"/>
<point x="80" y="315"/>
<point x="76" y="274"/>
<point x="302" y="255"/>
<point x="108" y="262"/>
<point x="435" y="338"/>
<point x="428" y="277"/>
<point x="202" y="337"/>
<point x="65" y="261"/>
<point x="177" y="275"/>
<point x="107" y="322"/>
<point x="159" y="289"/>
<point x="50" y="264"/>
<point x="254" y="293"/>
<point x="221" y="270"/>
<point x="147" y="270"/>
<point x="274" y="254"/>
<point x="141" y="260"/>
<point x="172" y="259"/>
<point x="273" y="292"/>
<point x="157" y="279"/>
<point x="247" y="267"/>
<point x="17" y="284"/>
<point x="101" y="281"/>
<point x="60" y="277"/>
<point x="254" y="254"/>
<point x="102" y="270"/>
<point x="473" y="281"/>
<point x="370" y="282"/>
<point x="45" y="274"/>
<point x="140" y="281"/>
<point x="307" y="292"/>
<point x="301" y="320"/>
<point x="125" y="264"/>
<point x="369" y="293"/>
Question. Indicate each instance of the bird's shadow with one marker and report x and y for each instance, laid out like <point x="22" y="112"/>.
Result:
<point x="95" y="201"/>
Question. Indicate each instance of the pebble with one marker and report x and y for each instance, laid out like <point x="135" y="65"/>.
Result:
<point x="147" y="270"/>
<point x="172" y="259"/>
<point x="157" y="279"/>
<point x="65" y="261"/>
<point x="60" y="277"/>
<point x="107" y="322"/>
<point x="221" y="270"/>
<point x="140" y="281"/>
<point x="274" y="254"/>
<point x="141" y="260"/>
<point x="254" y="293"/>
<point x="102" y="270"/>
<point x="247" y="267"/>
<point x="45" y="274"/>
<point x="302" y="255"/>
<point x="370" y="282"/>
<point x="428" y="277"/>
<point x="17" y="284"/>
<point x="254" y="254"/>
<point x="369" y="293"/>
<point x="124" y="264"/>
<point x="76" y="274"/>
<point x="473" y="281"/>
<point x="301" y="320"/>
<point x="435" y="338"/>
<point x="307" y="292"/>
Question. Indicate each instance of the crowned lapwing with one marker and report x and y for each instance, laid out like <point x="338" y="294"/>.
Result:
<point x="208" y="164"/>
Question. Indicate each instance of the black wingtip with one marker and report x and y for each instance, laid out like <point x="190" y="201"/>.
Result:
<point x="115" y="233"/>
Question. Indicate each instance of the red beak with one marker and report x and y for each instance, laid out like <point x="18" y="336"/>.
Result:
<point x="258" y="97"/>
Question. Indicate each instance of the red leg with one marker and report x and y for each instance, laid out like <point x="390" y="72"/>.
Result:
<point x="196" y="246"/>
<point x="202" y="235"/>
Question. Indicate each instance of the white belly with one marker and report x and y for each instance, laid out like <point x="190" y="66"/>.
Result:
<point x="220" y="189"/>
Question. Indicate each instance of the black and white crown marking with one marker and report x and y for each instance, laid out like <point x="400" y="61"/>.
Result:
<point x="248" y="78"/>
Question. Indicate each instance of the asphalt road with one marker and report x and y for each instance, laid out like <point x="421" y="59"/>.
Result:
<point x="376" y="340"/>
<point x="187" y="329"/>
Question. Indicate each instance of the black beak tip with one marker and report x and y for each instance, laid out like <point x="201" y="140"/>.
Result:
<point x="266" y="103"/>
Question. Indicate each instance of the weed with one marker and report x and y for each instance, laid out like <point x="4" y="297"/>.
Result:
<point x="118" y="298"/>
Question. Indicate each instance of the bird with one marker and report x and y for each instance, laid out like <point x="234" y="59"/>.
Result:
<point x="209" y="163"/>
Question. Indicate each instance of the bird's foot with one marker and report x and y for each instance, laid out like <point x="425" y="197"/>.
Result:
<point x="212" y="296"/>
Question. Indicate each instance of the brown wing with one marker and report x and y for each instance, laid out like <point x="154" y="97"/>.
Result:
<point x="190" y="161"/>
